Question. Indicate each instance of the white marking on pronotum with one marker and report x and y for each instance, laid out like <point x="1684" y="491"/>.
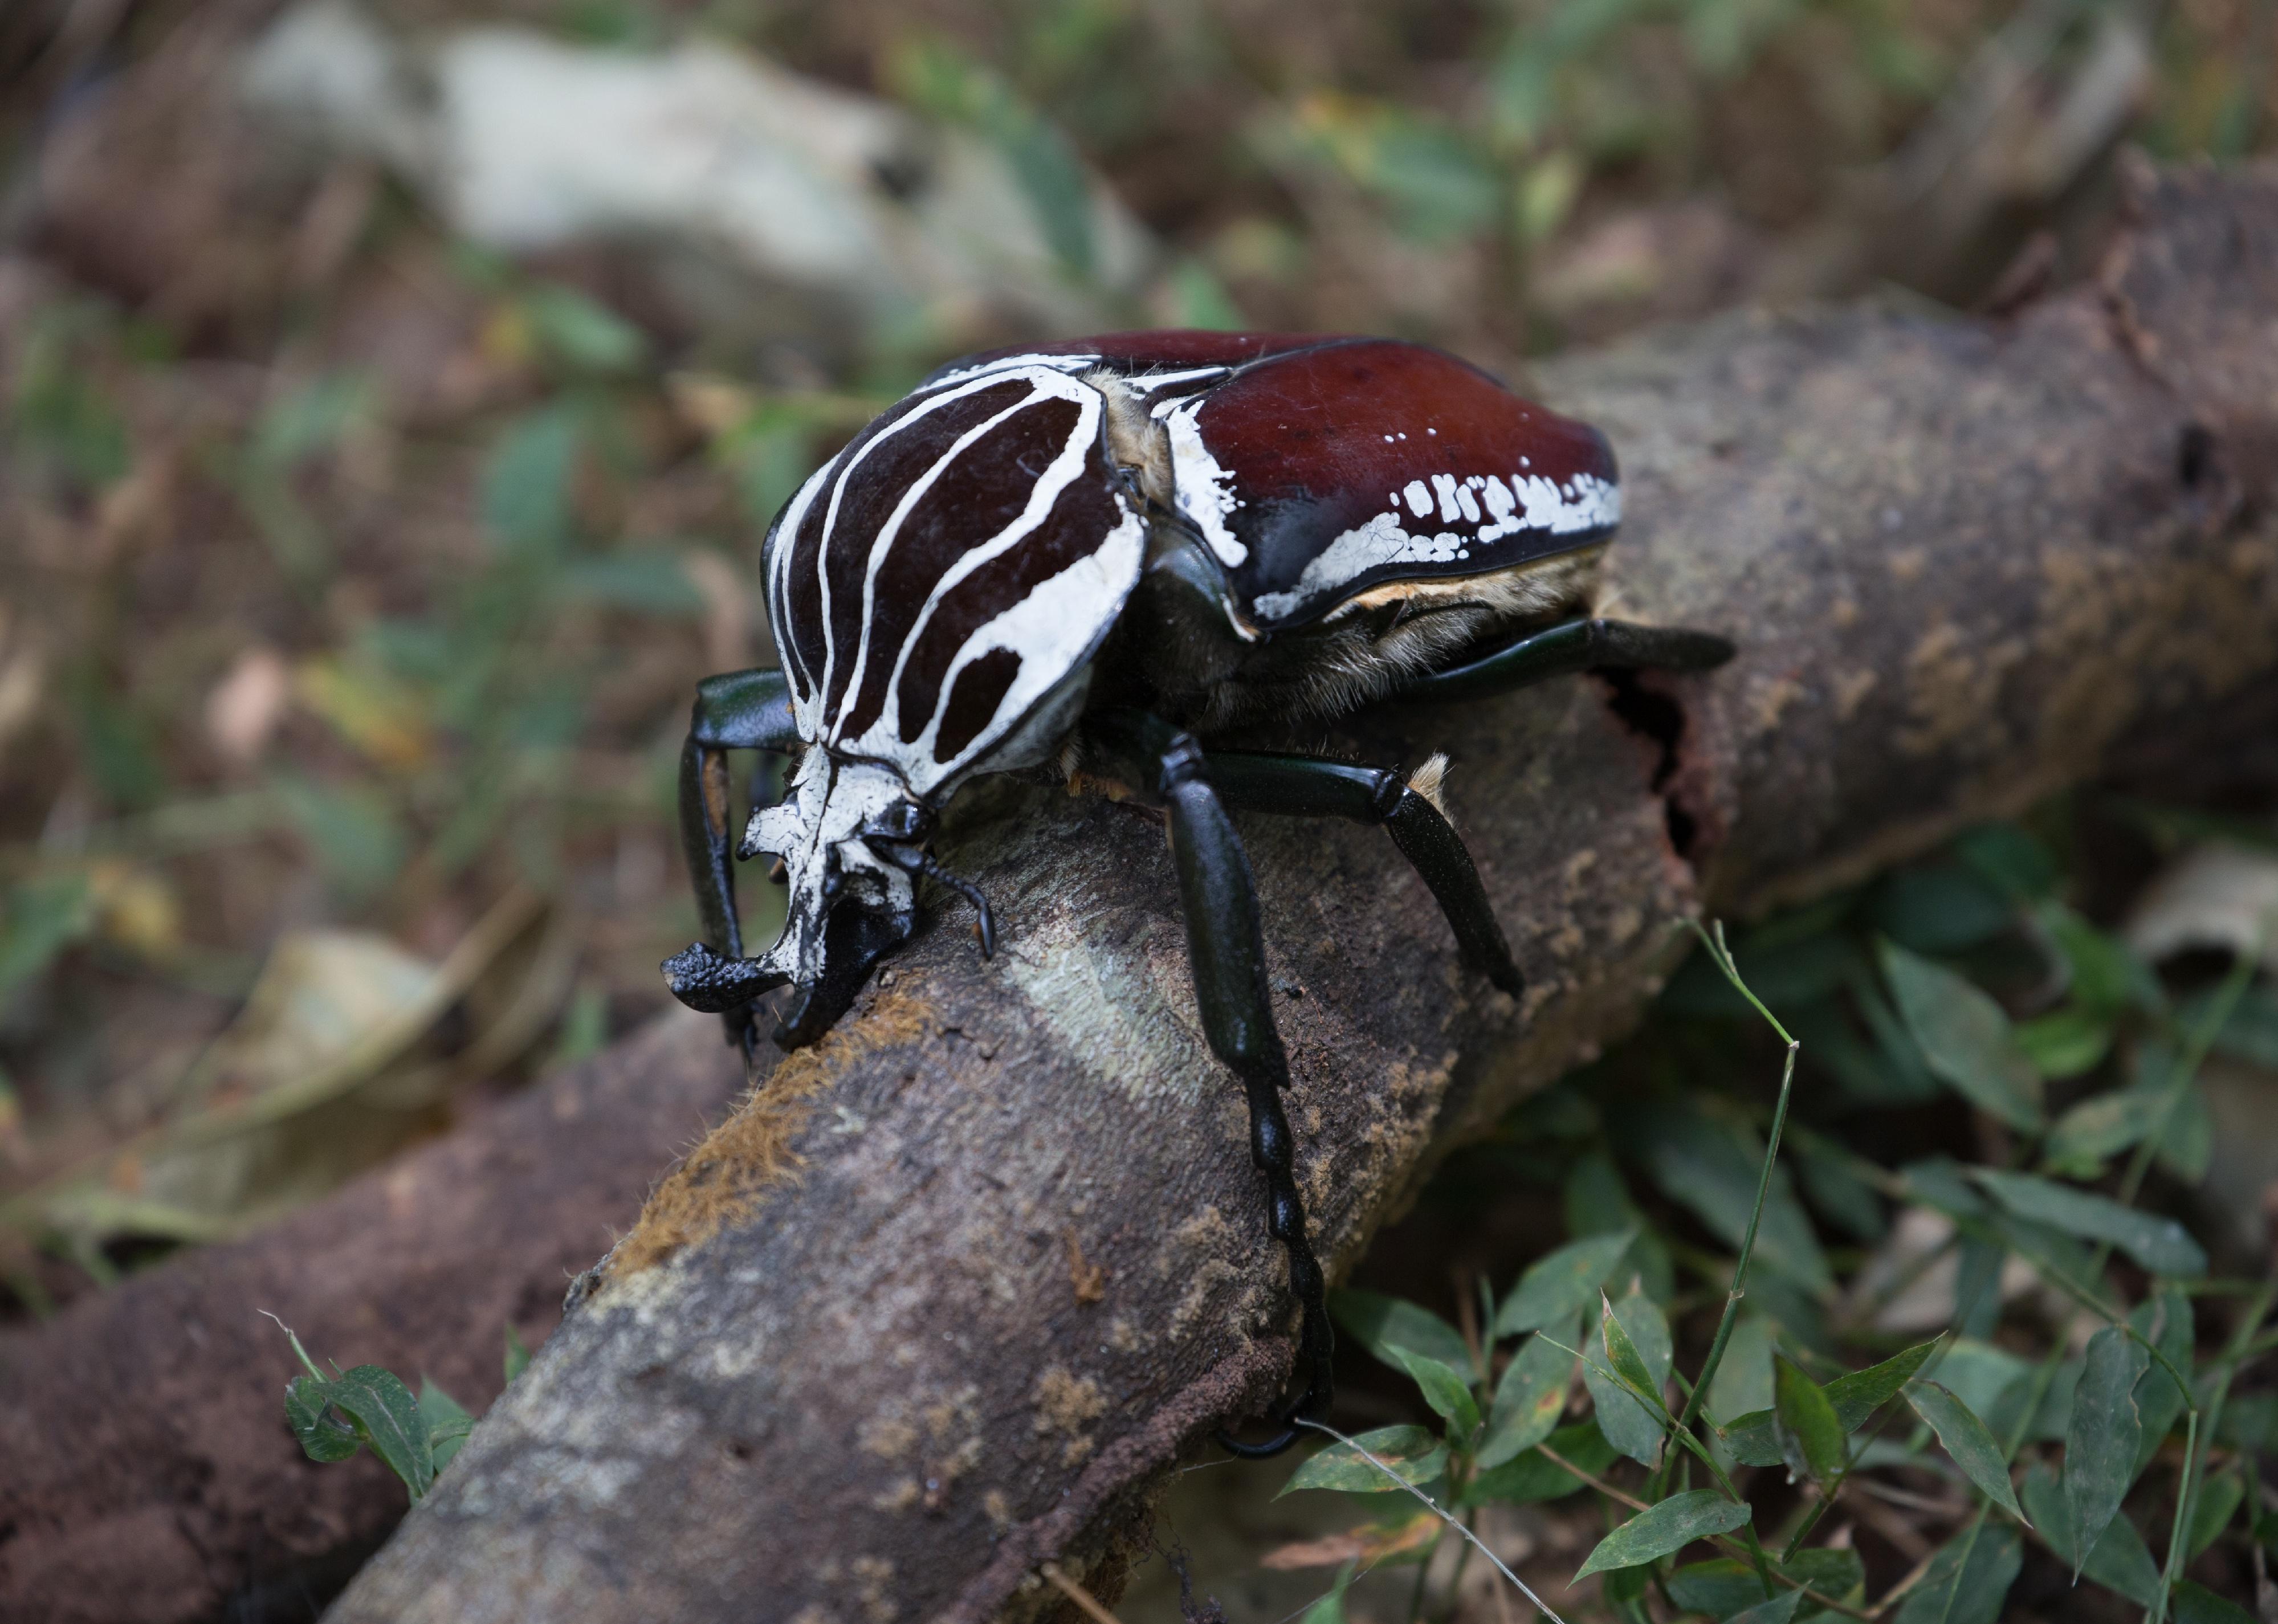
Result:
<point x="1529" y="502"/>
<point x="988" y="378"/>
<point x="1540" y="1606"/>
<point x="1004" y="363"/>
<point x="1203" y="490"/>
<point x="891" y="530"/>
<point x="805" y="691"/>
<point x="1082" y="613"/>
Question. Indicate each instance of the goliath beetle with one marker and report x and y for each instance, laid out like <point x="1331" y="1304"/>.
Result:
<point x="1089" y="556"/>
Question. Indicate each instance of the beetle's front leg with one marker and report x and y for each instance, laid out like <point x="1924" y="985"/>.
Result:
<point x="1580" y="645"/>
<point x="744" y="710"/>
<point x="1228" y="954"/>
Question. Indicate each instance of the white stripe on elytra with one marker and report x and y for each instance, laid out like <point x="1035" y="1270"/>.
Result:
<point x="1051" y="629"/>
<point x="1530" y="502"/>
<point x="891" y="530"/>
<point x="1058" y="363"/>
<point x="917" y="414"/>
<point x="884" y="735"/>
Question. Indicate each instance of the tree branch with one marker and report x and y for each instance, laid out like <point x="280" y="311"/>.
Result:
<point x="841" y="1369"/>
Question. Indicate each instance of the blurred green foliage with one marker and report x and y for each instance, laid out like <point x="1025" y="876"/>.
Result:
<point x="1911" y="984"/>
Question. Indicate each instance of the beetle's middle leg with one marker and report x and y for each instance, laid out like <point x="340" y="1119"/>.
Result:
<point x="1579" y="645"/>
<point x="1312" y="787"/>
<point x="743" y="709"/>
<point x="1228" y="954"/>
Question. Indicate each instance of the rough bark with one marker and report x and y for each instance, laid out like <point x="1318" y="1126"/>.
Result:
<point x="148" y="1476"/>
<point x="845" y="1368"/>
<point x="850" y="1364"/>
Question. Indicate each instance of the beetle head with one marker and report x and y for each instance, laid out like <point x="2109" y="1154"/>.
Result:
<point x="847" y="904"/>
<point x="848" y="834"/>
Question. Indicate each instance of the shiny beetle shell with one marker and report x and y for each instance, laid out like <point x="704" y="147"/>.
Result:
<point x="938" y="589"/>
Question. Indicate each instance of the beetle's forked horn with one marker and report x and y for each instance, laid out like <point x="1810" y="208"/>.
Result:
<point x="715" y="983"/>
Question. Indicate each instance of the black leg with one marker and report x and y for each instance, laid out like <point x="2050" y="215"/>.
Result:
<point x="744" y="710"/>
<point x="1568" y="647"/>
<point x="1228" y="954"/>
<point x="1309" y="787"/>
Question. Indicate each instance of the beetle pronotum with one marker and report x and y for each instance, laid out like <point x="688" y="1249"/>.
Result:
<point x="1095" y="554"/>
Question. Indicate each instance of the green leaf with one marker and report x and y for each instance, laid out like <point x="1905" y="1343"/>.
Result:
<point x="1445" y="1389"/>
<point x="2160" y="1245"/>
<point x="1563" y="1282"/>
<point x="358" y="840"/>
<point x="2250" y="1030"/>
<point x="1811" y="1439"/>
<point x="1965" y="1037"/>
<point x="1725" y="1586"/>
<point x="1744" y="1379"/>
<point x="1839" y="1192"/>
<point x="1982" y="1376"/>
<point x="1622" y="1357"/>
<point x="44" y="916"/>
<point x="1858" y="1395"/>
<point x="1381" y="1324"/>
<point x="526" y="485"/>
<point x="1531" y="1394"/>
<point x="580" y="333"/>
<point x="1598" y="1203"/>
<point x="1631" y="1349"/>
<point x="1713" y="1168"/>
<point x="1779" y="1610"/>
<point x="310" y="419"/>
<point x="650" y="581"/>
<point x="387" y="1421"/>
<point x="2165" y="1321"/>
<point x="1198" y="299"/>
<point x="2119" y="1561"/>
<point x="1837" y="1574"/>
<point x="517" y="1356"/>
<point x="2107" y="977"/>
<point x="1753" y="1438"/>
<point x="1673" y="1524"/>
<point x="2097" y="1129"/>
<point x="2215" y="1504"/>
<point x="1966" y="1440"/>
<point x="1331" y="1608"/>
<point x="2017" y="863"/>
<point x="1534" y="1476"/>
<point x="2102" y="1441"/>
<point x="447" y="1422"/>
<point x="1969" y="1579"/>
<point x="2194" y="1604"/>
<point x="2065" y="1042"/>
<point x="1719" y="1587"/>
<point x="307" y="1400"/>
<point x="1938" y="908"/>
<point x="1413" y="1453"/>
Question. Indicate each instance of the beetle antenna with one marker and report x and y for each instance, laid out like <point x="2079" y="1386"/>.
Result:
<point x="913" y="862"/>
<point x="984" y="923"/>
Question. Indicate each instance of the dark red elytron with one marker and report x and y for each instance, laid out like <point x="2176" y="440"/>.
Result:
<point x="1095" y="556"/>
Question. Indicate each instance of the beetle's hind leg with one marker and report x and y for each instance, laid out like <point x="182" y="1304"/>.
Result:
<point x="743" y="709"/>
<point x="1228" y="954"/>
<point x="1312" y="787"/>
<point x="1578" y="645"/>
